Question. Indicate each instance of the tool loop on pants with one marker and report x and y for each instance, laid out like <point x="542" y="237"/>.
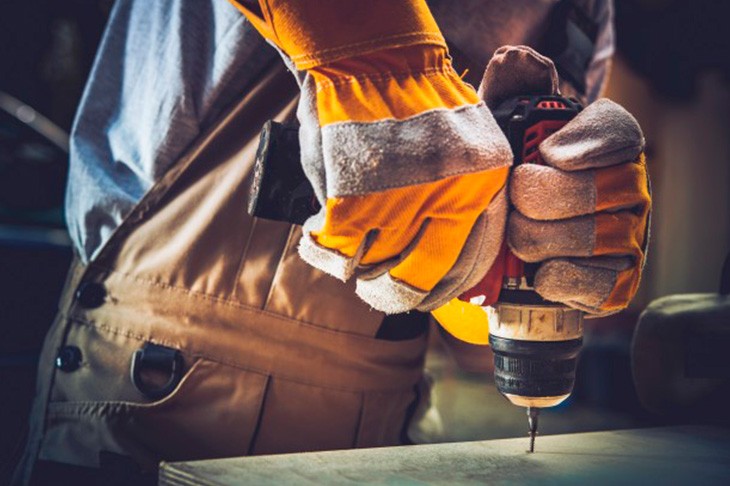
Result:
<point x="159" y="358"/>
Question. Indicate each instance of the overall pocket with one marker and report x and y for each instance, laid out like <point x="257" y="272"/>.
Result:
<point x="213" y="410"/>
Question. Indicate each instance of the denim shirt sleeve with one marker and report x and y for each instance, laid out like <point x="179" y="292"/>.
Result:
<point x="164" y="70"/>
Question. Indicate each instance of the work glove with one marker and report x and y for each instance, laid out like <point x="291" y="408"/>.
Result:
<point x="408" y="163"/>
<point x="583" y="217"/>
<point x="585" y="214"/>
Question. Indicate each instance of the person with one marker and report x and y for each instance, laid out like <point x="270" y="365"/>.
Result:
<point x="189" y="330"/>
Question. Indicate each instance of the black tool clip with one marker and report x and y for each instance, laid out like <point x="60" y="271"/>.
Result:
<point x="159" y="358"/>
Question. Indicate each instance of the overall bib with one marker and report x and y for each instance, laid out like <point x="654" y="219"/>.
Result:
<point x="273" y="356"/>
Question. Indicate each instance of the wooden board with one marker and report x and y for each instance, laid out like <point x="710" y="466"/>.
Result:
<point x="670" y="455"/>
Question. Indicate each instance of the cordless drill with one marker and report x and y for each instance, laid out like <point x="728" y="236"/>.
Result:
<point x="535" y="342"/>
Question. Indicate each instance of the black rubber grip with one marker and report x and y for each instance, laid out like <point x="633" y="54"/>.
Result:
<point x="534" y="368"/>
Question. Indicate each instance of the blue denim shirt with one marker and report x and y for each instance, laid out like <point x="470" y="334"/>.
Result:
<point x="166" y="68"/>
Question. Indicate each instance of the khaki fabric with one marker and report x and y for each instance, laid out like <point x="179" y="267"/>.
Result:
<point x="279" y="357"/>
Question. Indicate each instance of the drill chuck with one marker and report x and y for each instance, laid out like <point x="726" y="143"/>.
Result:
<point x="536" y="350"/>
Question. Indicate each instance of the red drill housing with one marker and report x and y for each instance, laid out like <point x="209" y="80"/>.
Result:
<point x="526" y="121"/>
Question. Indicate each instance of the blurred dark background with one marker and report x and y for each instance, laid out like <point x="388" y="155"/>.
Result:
<point x="672" y="72"/>
<point x="46" y="51"/>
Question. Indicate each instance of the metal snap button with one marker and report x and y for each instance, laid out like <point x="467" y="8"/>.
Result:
<point x="68" y="358"/>
<point x="91" y="295"/>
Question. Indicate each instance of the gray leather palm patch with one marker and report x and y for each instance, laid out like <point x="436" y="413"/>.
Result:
<point x="362" y="158"/>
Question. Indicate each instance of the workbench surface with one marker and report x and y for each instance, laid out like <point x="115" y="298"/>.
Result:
<point x="670" y="455"/>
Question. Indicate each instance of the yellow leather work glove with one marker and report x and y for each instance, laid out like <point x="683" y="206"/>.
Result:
<point x="407" y="161"/>
<point x="585" y="214"/>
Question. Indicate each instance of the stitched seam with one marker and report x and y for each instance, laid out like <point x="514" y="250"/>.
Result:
<point x="253" y="369"/>
<point x="599" y="307"/>
<point x="415" y="118"/>
<point x="269" y="19"/>
<point x="270" y="293"/>
<point x="595" y="154"/>
<point x="475" y="169"/>
<point x="373" y="42"/>
<point x="482" y="243"/>
<point x="321" y="56"/>
<point x="387" y="76"/>
<point x="35" y="439"/>
<point x="230" y="303"/>
<point x="76" y="408"/>
<point x="244" y="254"/>
<point x="259" y="416"/>
<point x="360" y="422"/>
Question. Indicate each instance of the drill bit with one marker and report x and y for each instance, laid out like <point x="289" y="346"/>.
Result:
<point x="532" y="415"/>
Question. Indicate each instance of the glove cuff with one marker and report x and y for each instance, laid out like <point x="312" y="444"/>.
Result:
<point x="389" y="84"/>
<point x="321" y="32"/>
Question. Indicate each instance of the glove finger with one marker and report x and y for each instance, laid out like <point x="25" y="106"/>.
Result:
<point x="598" y="286"/>
<point x="351" y="231"/>
<point x="479" y="253"/>
<point x="388" y="247"/>
<point x="616" y="234"/>
<point x="517" y="71"/>
<point x="545" y="193"/>
<point x="336" y="253"/>
<point x="410" y="280"/>
<point x="601" y="135"/>
<point x="390" y="243"/>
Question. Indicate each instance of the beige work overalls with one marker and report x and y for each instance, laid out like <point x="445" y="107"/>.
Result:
<point x="278" y="356"/>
